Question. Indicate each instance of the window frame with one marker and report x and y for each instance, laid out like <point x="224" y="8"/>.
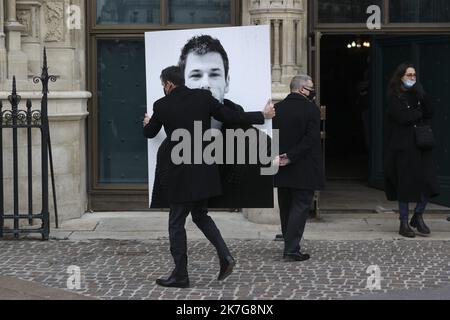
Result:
<point x="164" y="20"/>
<point x="386" y="24"/>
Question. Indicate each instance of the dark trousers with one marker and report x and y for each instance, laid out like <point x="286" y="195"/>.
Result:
<point x="420" y="208"/>
<point x="295" y="205"/>
<point x="177" y="233"/>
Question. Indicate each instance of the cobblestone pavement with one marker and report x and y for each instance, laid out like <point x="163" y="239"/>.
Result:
<point x="114" y="269"/>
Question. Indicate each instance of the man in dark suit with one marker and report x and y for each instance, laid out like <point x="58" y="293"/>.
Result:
<point x="300" y="161"/>
<point x="191" y="183"/>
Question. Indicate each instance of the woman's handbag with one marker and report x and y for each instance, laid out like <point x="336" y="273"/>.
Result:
<point x="423" y="132"/>
<point x="424" y="136"/>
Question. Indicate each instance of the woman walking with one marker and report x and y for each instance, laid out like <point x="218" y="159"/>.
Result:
<point x="409" y="169"/>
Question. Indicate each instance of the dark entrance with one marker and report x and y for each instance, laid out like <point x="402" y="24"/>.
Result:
<point x="418" y="31"/>
<point x="354" y="71"/>
<point x="345" y="89"/>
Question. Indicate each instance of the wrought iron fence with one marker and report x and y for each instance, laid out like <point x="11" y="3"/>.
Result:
<point x="27" y="119"/>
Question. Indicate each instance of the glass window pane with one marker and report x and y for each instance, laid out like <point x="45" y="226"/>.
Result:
<point x="199" y="11"/>
<point x="128" y="12"/>
<point x="426" y="11"/>
<point x="122" y="149"/>
<point x="345" y="11"/>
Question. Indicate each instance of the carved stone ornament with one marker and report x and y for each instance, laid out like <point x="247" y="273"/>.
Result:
<point x="24" y="18"/>
<point x="54" y="19"/>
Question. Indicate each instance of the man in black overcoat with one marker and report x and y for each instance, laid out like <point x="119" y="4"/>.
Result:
<point x="300" y="160"/>
<point x="191" y="183"/>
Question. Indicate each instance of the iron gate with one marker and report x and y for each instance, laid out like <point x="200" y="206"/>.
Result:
<point x="27" y="119"/>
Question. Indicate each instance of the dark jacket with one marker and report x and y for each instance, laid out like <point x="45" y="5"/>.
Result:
<point x="298" y="122"/>
<point x="408" y="171"/>
<point x="189" y="182"/>
<point x="242" y="184"/>
<point x="160" y="184"/>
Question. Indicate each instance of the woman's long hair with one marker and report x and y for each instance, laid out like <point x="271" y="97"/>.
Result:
<point x="395" y="84"/>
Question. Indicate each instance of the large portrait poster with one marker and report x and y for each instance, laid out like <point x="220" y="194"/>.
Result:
<point x="234" y="64"/>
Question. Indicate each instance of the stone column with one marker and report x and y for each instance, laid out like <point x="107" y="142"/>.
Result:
<point x="3" y="61"/>
<point x="288" y="66"/>
<point x="276" y="69"/>
<point x="288" y="46"/>
<point x="299" y="46"/>
<point x="17" y="60"/>
<point x="28" y="15"/>
<point x="11" y="10"/>
<point x="290" y="17"/>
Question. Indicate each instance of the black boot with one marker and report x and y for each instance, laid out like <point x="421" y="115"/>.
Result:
<point x="279" y="237"/>
<point x="296" y="257"/>
<point x="405" y="230"/>
<point x="226" y="267"/>
<point x="174" y="282"/>
<point x="417" y="222"/>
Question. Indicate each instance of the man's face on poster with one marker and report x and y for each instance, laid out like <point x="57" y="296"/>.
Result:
<point x="207" y="72"/>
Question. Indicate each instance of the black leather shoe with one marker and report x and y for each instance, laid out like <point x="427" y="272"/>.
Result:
<point x="417" y="222"/>
<point x="405" y="230"/>
<point x="173" y="282"/>
<point x="448" y="218"/>
<point x="295" y="257"/>
<point x="226" y="268"/>
<point x="279" y="237"/>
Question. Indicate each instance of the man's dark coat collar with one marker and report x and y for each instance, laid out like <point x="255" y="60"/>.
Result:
<point x="179" y="89"/>
<point x="297" y="96"/>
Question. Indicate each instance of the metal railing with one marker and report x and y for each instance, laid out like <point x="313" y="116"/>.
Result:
<point x="15" y="119"/>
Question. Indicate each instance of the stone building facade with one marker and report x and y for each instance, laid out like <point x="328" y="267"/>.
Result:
<point x="26" y="27"/>
<point x="96" y="50"/>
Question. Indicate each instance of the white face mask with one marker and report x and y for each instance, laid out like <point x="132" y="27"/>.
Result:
<point x="409" y="83"/>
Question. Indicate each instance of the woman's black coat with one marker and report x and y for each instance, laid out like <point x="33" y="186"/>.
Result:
<point x="409" y="171"/>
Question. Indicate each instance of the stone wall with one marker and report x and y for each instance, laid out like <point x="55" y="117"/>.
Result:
<point x="26" y="27"/>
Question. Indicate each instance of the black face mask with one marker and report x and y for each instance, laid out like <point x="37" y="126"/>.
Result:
<point x="166" y="92"/>
<point x="312" y="94"/>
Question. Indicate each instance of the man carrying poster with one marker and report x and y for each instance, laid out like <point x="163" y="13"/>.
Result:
<point x="206" y="65"/>
<point x="191" y="184"/>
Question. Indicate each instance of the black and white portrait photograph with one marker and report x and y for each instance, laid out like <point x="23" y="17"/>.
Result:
<point x="234" y="65"/>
